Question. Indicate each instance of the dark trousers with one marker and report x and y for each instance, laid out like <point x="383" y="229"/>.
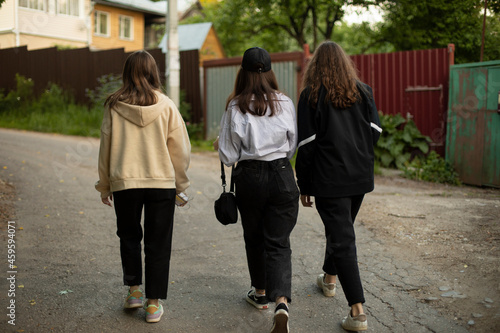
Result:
<point x="159" y="206"/>
<point x="267" y="198"/>
<point x="338" y="215"/>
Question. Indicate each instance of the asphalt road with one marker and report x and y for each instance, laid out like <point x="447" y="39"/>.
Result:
<point x="68" y="274"/>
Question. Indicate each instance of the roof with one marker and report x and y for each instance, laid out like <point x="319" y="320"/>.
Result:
<point x="144" y="6"/>
<point x="191" y="36"/>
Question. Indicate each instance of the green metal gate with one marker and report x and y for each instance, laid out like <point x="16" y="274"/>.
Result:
<point x="473" y="129"/>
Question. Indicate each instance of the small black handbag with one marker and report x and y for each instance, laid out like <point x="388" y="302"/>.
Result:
<point x="225" y="207"/>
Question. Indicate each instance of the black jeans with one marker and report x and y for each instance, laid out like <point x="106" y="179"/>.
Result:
<point x="267" y="198"/>
<point x="159" y="206"/>
<point x="338" y="215"/>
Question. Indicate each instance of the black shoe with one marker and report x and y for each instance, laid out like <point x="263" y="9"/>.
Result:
<point x="260" y="302"/>
<point x="280" y="324"/>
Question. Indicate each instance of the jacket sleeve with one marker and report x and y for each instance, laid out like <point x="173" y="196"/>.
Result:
<point x="103" y="185"/>
<point x="179" y="148"/>
<point x="373" y="113"/>
<point x="306" y="144"/>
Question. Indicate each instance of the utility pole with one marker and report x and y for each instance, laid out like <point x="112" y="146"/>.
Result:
<point x="173" y="66"/>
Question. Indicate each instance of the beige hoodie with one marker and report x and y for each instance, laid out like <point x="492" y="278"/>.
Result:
<point x="143" y="147"/>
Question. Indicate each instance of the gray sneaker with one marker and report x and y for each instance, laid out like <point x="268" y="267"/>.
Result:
<point x="358" y="323"/>
<point x="329" y="289"/>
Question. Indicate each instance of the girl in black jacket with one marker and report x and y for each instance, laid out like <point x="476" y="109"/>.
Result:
<point x="338" y="126"/>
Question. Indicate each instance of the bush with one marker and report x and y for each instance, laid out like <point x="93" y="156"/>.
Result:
<point x="432" y="168"/>
<point x="195" y="131"/>
<point x="108" y="84"/>
<point x="18" y="98"/>
<point x="399" y="142"/>
<point x="53" y="111"/>
<point x="54" y="98"/>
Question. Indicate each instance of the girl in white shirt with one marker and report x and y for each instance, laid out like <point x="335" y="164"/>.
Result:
<point x="258" y="130"/>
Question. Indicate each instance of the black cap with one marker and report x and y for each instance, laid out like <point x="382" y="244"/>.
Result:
<point x="257" y="60"/>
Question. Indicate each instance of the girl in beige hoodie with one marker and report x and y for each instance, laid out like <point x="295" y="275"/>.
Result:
<point x="143" y="158"/>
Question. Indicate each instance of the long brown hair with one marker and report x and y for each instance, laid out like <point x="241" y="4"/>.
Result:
<point x="331" y="67"/>
<point x="255" y="89"/>
<point x="140" y="80"/>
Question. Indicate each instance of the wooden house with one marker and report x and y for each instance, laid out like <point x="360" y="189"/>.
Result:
<point x="98" y="24"/>
<point x="198" y="36"/>
<point x="126" y="23"/>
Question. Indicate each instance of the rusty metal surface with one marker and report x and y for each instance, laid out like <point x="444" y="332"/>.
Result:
<point x="473" y="140"/>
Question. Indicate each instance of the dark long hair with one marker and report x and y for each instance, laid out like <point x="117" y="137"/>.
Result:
<point x="255" y="92"/>
<point x="331" y="67"/>
<point x="140" y="81"/>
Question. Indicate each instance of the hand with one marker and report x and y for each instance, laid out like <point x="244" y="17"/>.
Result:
<point x="306" y="200"/>
<point x="216" y="144"/>
<point x="107" y="201"/>
<point x="181" y="199"/>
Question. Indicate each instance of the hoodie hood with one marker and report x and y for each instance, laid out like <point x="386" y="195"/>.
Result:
<point x="142" y="115"/>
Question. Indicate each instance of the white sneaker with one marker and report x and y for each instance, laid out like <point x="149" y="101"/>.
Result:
<point x="329" y="289"/>
<point x="358" y="323"/>
<point x="280" y="324"/>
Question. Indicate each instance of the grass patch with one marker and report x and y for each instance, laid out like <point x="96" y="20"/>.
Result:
<point x="198" y="146"/>
<point x="74" y="120"/>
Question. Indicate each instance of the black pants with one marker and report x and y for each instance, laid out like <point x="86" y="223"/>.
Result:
<point x="159" y="206"/>
<point x="338" y="215"/>
<point x="267" y="198"/>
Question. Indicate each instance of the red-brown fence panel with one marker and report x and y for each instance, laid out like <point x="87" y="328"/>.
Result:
<point x="413" y="84"/>
<point x="75" y="70"/>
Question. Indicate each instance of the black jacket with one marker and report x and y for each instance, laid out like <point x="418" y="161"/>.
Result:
<point x="335" y="151"/>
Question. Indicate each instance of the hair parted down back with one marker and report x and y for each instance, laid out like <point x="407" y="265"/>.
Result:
<point x="140" y="81"/>
<point x="331" y="67"/>
<point x="255" y="92"/>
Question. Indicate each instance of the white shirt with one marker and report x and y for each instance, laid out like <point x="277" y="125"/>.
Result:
<point x="263" y="138"/>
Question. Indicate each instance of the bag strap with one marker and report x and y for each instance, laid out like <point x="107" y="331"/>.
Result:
<point x="223" y="177"/>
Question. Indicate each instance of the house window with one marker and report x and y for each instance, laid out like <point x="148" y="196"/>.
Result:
<point x="101" y="23"/>
<point x="68" y="7"/>
<point x="32" y="4"/>
<point x="126" y="27"/>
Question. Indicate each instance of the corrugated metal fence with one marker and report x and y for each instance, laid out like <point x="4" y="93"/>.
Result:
<point x="75" y="70"/>
<point x="190" y="82"/>
<point x="219" y="77"/>
<point x="413" y="83"/>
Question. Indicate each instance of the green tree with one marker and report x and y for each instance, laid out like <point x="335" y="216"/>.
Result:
<point x="235" y="36"/>
<point x="360" y="38"/>
<point x="411" y="25"/>
<point x="277" y="25"/>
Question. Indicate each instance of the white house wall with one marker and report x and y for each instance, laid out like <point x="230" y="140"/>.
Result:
<point x="51" y="28"/>
<point x="50" y="24"/>
<point x="7" y="20"/>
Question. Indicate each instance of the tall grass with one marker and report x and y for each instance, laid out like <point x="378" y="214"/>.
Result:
<point x="54" y="111"/>
<point x="73" y="120"/>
